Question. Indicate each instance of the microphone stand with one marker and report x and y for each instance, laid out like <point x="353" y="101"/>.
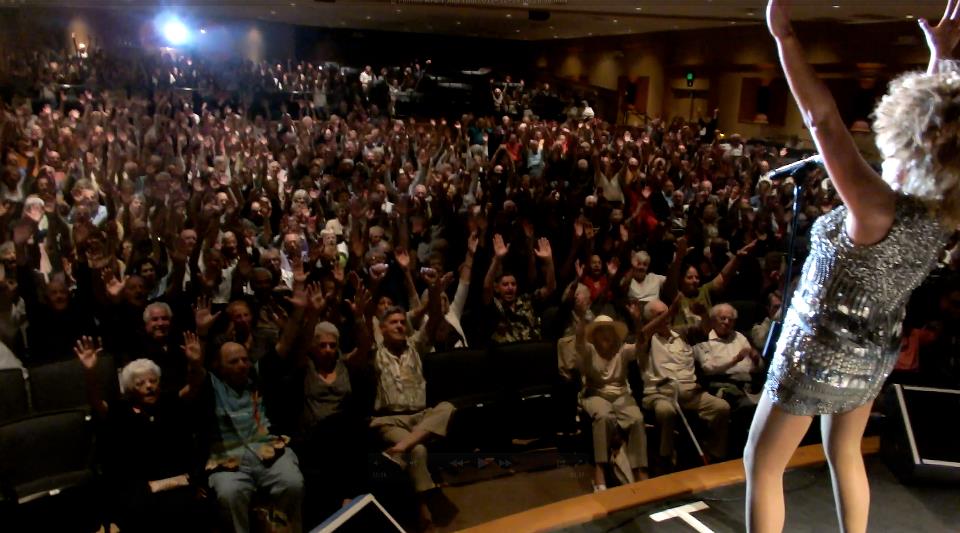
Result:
<point x="777" y="325"/>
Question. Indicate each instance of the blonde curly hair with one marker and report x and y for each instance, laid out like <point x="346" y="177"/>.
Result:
<point x="918" y="123"/>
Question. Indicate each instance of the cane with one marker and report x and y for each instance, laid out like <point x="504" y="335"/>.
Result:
<point x="675" y="387"/>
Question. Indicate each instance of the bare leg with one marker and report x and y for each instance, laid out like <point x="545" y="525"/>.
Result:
<point x="774" y="436"/>
<point x="842" y="434"/>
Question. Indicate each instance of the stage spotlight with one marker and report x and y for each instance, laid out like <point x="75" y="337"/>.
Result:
<point x="175" y="32"/>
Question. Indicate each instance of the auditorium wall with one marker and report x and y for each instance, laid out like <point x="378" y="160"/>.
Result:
<point x="722" y="58"/>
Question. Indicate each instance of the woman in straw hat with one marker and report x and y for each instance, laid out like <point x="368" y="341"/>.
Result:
<point x="600" y="356"/>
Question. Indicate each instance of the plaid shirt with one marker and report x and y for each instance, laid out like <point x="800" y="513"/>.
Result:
<point x="519" y="324"/>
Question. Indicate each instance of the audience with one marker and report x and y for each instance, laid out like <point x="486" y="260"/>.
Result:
<point x="309" y="236"/>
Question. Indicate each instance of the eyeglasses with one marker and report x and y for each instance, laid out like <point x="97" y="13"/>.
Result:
<point x="325" y="345"/>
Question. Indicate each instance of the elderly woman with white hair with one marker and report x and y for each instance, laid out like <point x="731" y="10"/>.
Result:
<point x="841" y="335"/>
<point x="148" y="448"/>
<point x="600" y="357"/>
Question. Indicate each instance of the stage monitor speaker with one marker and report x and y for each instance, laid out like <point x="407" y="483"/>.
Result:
<point x="921" y="439"/>
<point x="538" y="15"/>
<point x="362" y="515"/>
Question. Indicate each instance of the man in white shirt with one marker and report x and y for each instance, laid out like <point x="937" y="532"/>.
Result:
<point x="727" y="353"/>
<point x="667" y="361"/>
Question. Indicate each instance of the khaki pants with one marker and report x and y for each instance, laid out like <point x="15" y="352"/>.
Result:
<point x="607" y="417"/>
<point x="394" y="428"/>
<point x="712" y="410"/>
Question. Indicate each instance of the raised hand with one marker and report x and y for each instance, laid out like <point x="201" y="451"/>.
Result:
<point x="499" y="247"/>
<point x="360" y="301"/>
<point x="579" y="267"/>
<point x="317" y="300"/>
<point x="543" y="250"/>
<point x="192" y="348"/>
<point x="613" y="265"/>
<point x="682" y="248"/>
<point x="87" y="351"/>
<point x="403" y="258"/>
<point x="113" y="284"/>
<point x="778" y="18"/>
<point x="943" y="38"/>
<point x="624" y="233"/>
<point x="578" y="229"/>
<point x="745" y="251"/>
<point x="300" y="298"/>
<point x="472" y="242"/>
<point x="202" y="315"/>
<point x="635" y="310"/>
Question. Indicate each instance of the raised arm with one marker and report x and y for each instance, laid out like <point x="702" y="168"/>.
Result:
<point x="88" y="353"/>
<point x="943" y="38"/>
<point x="196" y="373"/>
<point x="724" y="276"/>
<point x="869" y="199"/>
<point x="545" y="254"/>
<point x="496" y="266"/>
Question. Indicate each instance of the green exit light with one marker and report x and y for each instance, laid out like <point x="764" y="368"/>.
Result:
<point x="689" y="76"/>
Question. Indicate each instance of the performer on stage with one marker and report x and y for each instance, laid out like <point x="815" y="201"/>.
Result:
<point x="841" y="335"/>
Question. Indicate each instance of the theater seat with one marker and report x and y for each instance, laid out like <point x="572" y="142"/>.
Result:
<point x="467" y="379"/>
<point x="13" y="395"/>
<point x="61" y="385"/>
<point x="540" y="402"/>
<point x="46" y="470"/>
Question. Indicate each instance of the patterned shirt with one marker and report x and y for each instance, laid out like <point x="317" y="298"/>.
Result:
<point x="401" y="387"/>
<point x="518" y="324"/>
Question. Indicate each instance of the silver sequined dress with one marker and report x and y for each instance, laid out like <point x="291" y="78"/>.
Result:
<point x="841" y="336"/>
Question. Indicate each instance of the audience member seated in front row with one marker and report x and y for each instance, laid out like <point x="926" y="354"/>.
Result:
<point x="244" y="457"/>
<point x="402" y="419"/>
<point x="331" y="433"/>
<point x="146" y="442"/>
<point x="729" y="364"/>
<point x="669" y="378"/>
<point x="601" y="357"/>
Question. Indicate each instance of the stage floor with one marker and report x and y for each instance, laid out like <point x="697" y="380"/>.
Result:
<point x="893" y="508"/>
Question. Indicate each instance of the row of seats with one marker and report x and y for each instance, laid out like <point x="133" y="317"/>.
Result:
<point x="51" y="387"/>
<point x="510" y="391"/>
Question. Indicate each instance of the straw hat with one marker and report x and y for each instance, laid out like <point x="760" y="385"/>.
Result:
<point x="605" y="321"/>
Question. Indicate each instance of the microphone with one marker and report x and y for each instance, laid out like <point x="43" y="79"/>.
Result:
<point x="796" y="166"/>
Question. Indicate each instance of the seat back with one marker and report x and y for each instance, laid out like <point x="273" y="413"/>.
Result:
<point x="13" y="395"/>
<point x="61" y="385"/>
<point x="46" y="452"/>
<point x="541" y="402"/>
<point x="460" y="377"/>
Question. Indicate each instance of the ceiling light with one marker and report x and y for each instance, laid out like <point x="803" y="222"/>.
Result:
<point x="368" y="17"/>
<point x="732" y="22"/>
<point x="836" y="6"/>
<point x="272" y="12"/>
<point x="615" y="21"/>
<point x="516" y="31"/>
<point x="509" y="15"/>
<point x="910" y="17"/>
<point x="203" y="31"/>
<point x="590" y="34"/>
<point x="556" y="36"/>
<point x="399" y="11"/>
<point x="750" y="13"/>
<point x="293" y="4"/>
<point x="638" y="9"/>
<point x="458" y="23"/>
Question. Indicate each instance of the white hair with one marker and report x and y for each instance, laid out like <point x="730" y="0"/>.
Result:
<point x="135" y="369"/>
<point x="715" y="310"/>
<point x="641" y="255"/>
<point x="156" y="305"/>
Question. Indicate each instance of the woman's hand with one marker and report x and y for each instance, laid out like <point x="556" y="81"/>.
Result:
<point x="943" y="38"/>
<point x="87" y="351"/>
<point x="778" y="18"/>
